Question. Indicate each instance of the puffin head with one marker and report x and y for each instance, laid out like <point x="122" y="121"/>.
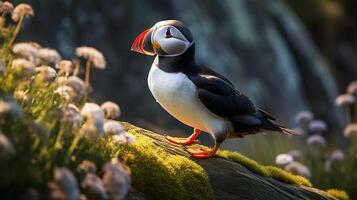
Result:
<point x="165" y="38"/>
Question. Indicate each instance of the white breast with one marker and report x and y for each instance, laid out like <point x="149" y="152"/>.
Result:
<point x="178" y="96"/>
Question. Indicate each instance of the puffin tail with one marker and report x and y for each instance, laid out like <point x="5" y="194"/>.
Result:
<point x="289" y="131"/>
<point x="272" y="125"/>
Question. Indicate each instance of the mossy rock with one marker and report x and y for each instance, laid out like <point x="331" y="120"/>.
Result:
<point x="227" y="178"/>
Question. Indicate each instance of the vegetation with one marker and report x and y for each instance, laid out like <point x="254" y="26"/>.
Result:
<point x="38" y="135"/>
<point x="269" y="171"/>
<point x="339" y="194"/>
<point x="329" y="166"/>
<point x="47" y="125"/>
<point x="161" y="175"/>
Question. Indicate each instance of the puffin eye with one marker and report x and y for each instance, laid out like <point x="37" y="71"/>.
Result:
<point x="168" y="33"/>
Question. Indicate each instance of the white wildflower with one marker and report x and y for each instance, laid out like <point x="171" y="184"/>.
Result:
<point x="93" y="55"/>
<point x="92" y="110"/>
<point x="66" y="92"/>
<point x="124" y="138"/>
<point x="65" y="67"/>
<point x="317" y="140"/>
<point x="113" y="127"/>
<point x="76" y="83"/>
<point x="95" y="120"/>
<point x="93" y="183"/>
<point x="64" y="186"/>
<point x="72" y="88"/>
<point x="345" y="100"/>
<point x="87" y="166"/>
<point x="48" y="55"/>
<point x="296" y="154"/>
<point x="317" y="126"/>
<point x="71" y="115"/>
<point x="27" y="50"/>
<point x="78" y="86"/>
<point x="61" y="80"/>
<point x="352" y="87"/>
<point x="6" y="7"/>
<point x="116" y="179"/>
<point x="90" y="130"/>
<point x="21" y="11"/>
<point x="334" y="159"/>
<point x="350" y="129"/>
<point x="304" y="117"/>
<point x="23" y="66"/>
<point x="111" y="110"/>
<point x="45" y="73"/>
<point x="298" y="169"/>
<point x="337" y="155"/>
<point x="6" y="145"/>
<point x="283" y="159"/>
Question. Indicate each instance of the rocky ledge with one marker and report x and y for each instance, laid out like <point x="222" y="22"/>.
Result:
<point x="227" y="179"/>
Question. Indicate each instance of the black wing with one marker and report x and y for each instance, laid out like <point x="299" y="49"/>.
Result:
<point x="222" y="99"/>
<point x="220" y="96"/>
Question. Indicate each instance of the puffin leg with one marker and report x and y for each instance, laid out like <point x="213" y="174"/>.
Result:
<point x="185" y="141"/>
<point x="200" y="153"/>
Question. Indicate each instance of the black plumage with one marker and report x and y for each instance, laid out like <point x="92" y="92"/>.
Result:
<point x="196" y="95"/>
<point x="220" y="96"/>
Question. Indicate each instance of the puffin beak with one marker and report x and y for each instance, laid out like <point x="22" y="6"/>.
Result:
<point x="142" y="43"/>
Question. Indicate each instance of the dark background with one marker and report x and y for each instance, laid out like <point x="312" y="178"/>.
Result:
<point x="287" y="56"/>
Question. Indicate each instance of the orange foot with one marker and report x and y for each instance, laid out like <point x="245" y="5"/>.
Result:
<point x="200" y="153"/>
<point x="178" y="140"/>
<point x="185" y="141"/>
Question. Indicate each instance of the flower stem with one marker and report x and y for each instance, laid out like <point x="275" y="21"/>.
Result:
<point x="77" y="67"/>
<point x="17" y="29"/>
<point x="36" y="143"/>
<point x="58" y="142"/>
<point x="75" y="141"/>
<point x="87" y="79"/>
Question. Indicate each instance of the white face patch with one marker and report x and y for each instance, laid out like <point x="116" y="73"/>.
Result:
<point x="171" y="40"/>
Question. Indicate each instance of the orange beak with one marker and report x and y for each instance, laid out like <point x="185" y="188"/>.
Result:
<point x="142" y="43"/>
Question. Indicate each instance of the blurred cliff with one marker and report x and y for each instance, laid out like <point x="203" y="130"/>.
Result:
<point x="261" y="45"/>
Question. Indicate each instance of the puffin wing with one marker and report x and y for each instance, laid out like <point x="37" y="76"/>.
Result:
<point x="222" y="99"/>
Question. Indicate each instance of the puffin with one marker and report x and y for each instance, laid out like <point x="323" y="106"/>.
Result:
<point x="195" y="94"/>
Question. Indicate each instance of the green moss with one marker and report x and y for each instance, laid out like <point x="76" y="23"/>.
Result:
<point x="287" y="177"/>
<point x="338" y="194"/>
<point x="268" y="171"/>
<point x="155" y="173"/>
